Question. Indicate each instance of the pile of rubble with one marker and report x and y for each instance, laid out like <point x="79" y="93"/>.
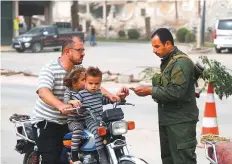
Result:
<point x="11" y="73"/>
<point x="144" y="75"/>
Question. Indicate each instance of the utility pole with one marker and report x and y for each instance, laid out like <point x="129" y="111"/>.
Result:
<point x="176" y="7"/>
<point x="86" y="27"/>
<point x="203" y="23"/>
<point x="75" y="15"/>
<point x="50" y="11"/>
<point x="199" y="27"/>
<point x="15" y="16"/>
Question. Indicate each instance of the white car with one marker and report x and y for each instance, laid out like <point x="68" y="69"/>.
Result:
<point x="223" y="35"/>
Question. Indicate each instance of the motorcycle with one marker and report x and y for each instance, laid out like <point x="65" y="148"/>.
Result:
<point x="112" y="127"/>
<point x="218" y="151"/>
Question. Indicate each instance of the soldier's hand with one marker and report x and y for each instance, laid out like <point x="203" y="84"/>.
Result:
<point x="143" y="91"/>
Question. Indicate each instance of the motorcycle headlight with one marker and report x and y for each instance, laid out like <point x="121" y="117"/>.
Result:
<point x="26" y="39"/>
<point x="119" y="127"/>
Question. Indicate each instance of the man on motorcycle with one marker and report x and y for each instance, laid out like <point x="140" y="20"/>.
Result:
<point x="49" y="109"/>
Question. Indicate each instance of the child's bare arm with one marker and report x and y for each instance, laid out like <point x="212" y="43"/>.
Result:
<point x="109" y="95"/>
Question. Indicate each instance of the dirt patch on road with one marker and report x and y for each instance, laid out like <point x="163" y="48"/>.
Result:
<point x="11" y="73"/>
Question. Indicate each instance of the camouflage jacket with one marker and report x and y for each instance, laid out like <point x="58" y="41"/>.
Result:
<point x="174" y="90"/>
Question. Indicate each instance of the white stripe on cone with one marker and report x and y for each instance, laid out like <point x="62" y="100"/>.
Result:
<point x="209" y="122"/>
<point x="210" y="98"/>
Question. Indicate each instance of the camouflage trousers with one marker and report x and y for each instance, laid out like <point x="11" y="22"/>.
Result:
<point x="178" y="143"/>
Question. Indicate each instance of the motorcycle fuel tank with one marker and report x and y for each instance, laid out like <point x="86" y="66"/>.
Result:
<point x="88" y="141"/>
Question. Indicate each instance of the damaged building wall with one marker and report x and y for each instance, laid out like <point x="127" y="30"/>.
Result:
<point x="123" y="16"/>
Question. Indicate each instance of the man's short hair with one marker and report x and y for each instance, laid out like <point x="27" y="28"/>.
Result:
<point x="69" y="42"/>
<point x="164" y="34"/>
<point x="94" y="72"/>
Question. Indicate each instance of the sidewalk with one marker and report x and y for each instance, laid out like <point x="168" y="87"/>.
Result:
<point x="7" y="49"/>
<point x="194" y="50"/>
<point x="10" y="49"/>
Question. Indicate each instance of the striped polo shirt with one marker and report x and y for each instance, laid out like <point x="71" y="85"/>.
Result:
<point x="51" y="76"/>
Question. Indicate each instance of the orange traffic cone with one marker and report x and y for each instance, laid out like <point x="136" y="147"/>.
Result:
<point x="209" y="123"/>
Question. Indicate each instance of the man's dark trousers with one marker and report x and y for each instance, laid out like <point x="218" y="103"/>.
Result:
<point x="50" y="141"/>
<point x="178" y="143"/>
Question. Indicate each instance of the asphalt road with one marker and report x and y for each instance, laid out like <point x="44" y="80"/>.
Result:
<point x="18" y="95"/>
<point x="116" y="57"/>
<point x="126" y="58"/>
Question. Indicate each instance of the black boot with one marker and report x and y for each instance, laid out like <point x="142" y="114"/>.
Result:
<point x="102" y="156"/>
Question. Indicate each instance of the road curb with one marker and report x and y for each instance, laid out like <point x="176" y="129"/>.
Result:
<point x="200" y="51"/>
<point x="7" y="49"/>
<point x="193" y="51"/>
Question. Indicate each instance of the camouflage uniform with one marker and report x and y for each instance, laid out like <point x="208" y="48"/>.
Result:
<point x="174" y="92"/>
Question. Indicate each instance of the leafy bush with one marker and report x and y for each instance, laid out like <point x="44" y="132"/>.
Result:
<point x="121" y="34"/>
<point x="190" y="37"/>
<point x="216" y="73"/>
<point x="180" y="35"/>
<point x="133" y="34"/>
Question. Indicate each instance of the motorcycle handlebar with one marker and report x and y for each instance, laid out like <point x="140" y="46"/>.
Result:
<point x="123" y="102"/>
<point x="77" y="109"/>
<point x="71" y="109"/>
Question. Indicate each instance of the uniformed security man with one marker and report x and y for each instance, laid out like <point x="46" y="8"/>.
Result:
<point x="174" y="91"/>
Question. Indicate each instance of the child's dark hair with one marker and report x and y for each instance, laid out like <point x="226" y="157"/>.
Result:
<point x="73" y="76"/>
<point x="94" y="71"/>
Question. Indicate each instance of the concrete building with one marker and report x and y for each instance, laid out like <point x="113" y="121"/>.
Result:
<point x="125" y="15"/>
<point x="115" y="15"/>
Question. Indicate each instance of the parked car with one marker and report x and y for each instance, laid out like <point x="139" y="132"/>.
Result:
<point x="42" y="37"/>
<point x="223" y="35"/>
<point x="63" y="26"/>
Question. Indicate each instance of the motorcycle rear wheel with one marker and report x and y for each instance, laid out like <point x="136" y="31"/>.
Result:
<point x="31" y="157"/>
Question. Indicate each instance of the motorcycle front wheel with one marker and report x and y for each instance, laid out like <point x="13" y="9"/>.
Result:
<point x="126" y="162"/>
<point x="131" y="160"/>
<point x="31" y="157"/>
